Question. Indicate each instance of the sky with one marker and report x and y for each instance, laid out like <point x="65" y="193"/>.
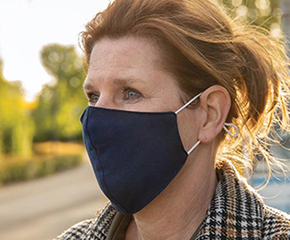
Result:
<point x="28" y="25"/>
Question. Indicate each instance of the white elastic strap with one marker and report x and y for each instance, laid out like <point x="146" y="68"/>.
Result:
<point x="189" y="102"/>
<point x="228" y="131"/>
<point x="225" y="124"/>
<point x="195" y="145"/>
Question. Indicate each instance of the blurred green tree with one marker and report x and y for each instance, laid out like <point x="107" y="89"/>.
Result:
<point x="59" y="105"/>
<point x="16" y="126"/>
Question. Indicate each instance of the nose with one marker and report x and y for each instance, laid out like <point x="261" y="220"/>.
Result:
<point x="105" y="101"/>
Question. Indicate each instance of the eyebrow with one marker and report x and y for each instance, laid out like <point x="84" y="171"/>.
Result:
<point x="116" y="81"/>
<point x="124" y="81"/>
<point x="87" y="86"/>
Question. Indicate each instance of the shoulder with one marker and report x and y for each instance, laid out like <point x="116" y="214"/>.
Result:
<point x="249" y="211"/>
<point x="276" y="224"/>
<point x="77" y="231"/>
<point x="93" y="229"/>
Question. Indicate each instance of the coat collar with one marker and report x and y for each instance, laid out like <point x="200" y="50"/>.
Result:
<point x="236" y="210"/>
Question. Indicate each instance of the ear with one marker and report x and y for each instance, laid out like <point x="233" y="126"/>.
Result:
<point x="215" y="102"/>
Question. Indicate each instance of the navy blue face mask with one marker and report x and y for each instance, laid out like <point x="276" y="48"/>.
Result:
<point x="135" y="155"/>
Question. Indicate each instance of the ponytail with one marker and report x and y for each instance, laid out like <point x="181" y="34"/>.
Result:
<point x="262" y="86"/>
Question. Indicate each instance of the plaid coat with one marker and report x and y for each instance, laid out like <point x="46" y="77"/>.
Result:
<point x="236" y="212"/>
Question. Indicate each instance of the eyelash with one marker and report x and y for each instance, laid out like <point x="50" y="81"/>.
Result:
<point x="124" y="90"/>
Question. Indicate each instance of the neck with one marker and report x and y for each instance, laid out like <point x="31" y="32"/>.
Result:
<point x="178" y="211"/>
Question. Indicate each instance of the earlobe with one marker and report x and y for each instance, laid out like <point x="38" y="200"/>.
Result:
<point x="216" y="103"/>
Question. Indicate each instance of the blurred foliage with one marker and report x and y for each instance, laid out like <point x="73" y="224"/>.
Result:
<point x="60" y="148"/>
<point x="53" y="116"/>
<point x="16" y="126"/>
<point x="21" y="169"/>
<point x="48" y="158"/>
<point x="264" y="13"/>
<point x="59" y="106"/>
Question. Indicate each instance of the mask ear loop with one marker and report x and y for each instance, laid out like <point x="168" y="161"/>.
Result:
<point x="235" y="135"/>
<point x="188" y="103"/>
<point x="183" y="107"/>
<point x="194" y="146"/>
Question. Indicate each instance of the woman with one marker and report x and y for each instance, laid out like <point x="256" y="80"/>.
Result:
<point x="178" y="93"/>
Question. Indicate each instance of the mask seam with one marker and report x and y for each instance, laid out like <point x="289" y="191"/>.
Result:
<point x="96" y="152"/>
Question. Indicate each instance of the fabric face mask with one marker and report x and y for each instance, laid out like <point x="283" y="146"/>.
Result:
<point x="135" y="155"/>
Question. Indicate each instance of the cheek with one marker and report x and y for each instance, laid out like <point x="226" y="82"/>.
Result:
<point x="188" y="129"/>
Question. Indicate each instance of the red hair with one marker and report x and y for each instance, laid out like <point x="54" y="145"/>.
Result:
<point x="201" y="46"/>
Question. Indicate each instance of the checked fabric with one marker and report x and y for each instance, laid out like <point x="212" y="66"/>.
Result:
<point x="236" y="212"/>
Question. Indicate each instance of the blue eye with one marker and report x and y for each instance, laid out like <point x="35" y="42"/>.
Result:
<point x="131" y="94"/>
<point x="93" y="98"/>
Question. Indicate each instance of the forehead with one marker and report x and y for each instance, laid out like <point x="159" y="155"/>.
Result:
<point x="125" y="57"/>
<point x="128" y="61"/>
<point x="127" y="51"/>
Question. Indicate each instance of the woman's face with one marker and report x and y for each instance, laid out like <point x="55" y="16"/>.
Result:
<point x="126" y="74"/>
